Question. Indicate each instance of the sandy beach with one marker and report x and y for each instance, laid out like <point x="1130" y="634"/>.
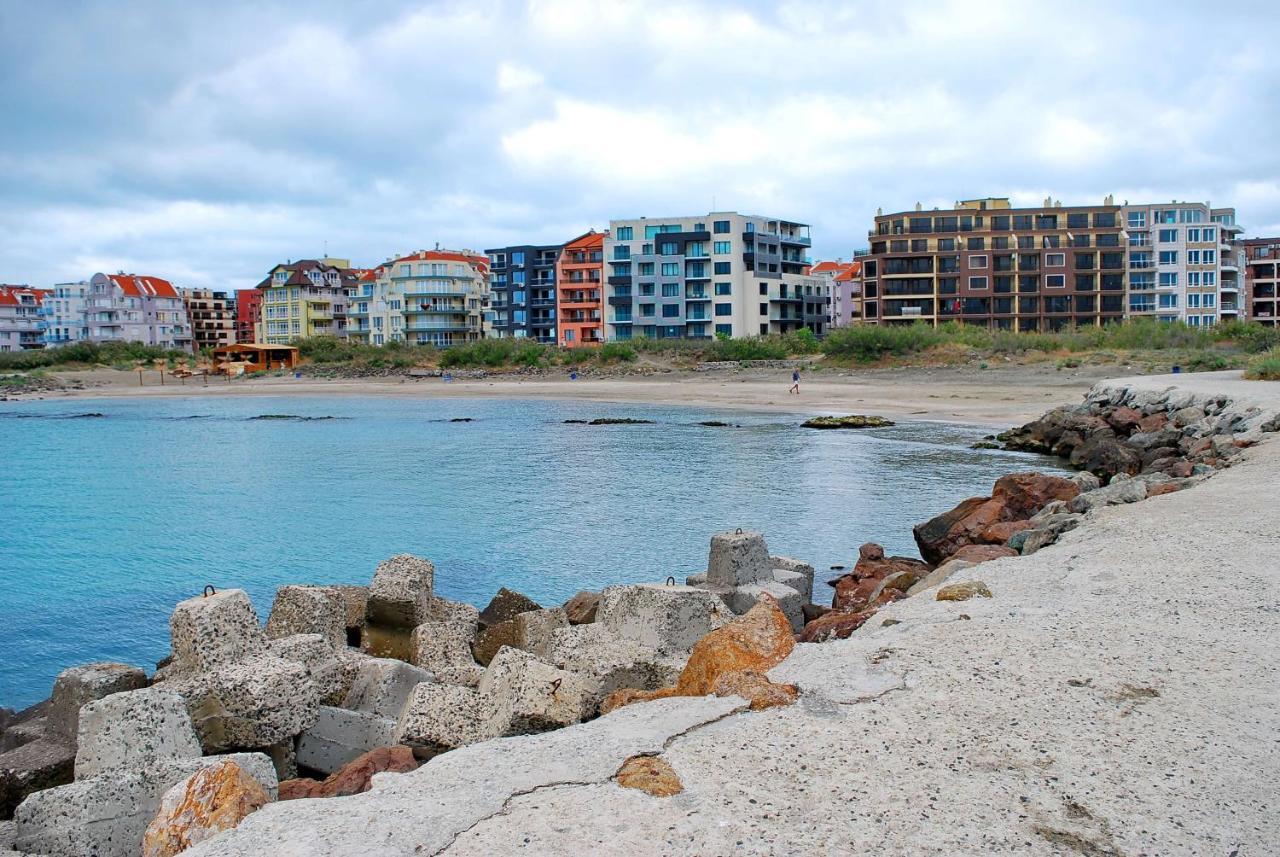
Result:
<point x="998" y="396"/>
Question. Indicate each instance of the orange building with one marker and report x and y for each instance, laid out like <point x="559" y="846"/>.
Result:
<point x="579" y="274"/>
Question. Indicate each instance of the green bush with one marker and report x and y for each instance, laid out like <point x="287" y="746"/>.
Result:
<point x="1264" y="367"/>
<point x="617" y="352"/>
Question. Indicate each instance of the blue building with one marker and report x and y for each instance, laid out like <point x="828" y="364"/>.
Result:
<point x="523" y="284"/>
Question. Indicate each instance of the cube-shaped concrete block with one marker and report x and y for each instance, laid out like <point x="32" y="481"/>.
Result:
<point x="436" y="609"/>
<point x="569" y="643"/>
<point x="134" y="729"/>
<point x="76" y="686"/>
<point x="355" y="601"/>
<point x="322" y="661"/>
<point x="536" y="627"/>
<point x="669" y="619"/>
<point x="743" y="598"/>
<point x="529" y="695"/>
<point x="382" y="686"/>
<point x="309" y="610"/>
<point x="802" y="584"/>
<point x="33" y="766"/>
<point x="255" y="703"/>
<point x="442" y="645"/>
<point x="340" y="736"/>
<point x="616" y="664"/>
<point x="737" y="558"/>
<point x="218" y="629"/>
<point x="440" y="717"/>
<point x="400" y="591"/>
<point x="466" y="676"/>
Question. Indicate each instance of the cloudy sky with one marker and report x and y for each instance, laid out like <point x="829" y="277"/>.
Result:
<point x="206" y="141"/>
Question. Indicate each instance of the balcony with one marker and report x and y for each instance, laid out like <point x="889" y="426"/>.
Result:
<point x="414" y="326"/>
<point x="436" y="291"/>
<point x="620" y="281"/>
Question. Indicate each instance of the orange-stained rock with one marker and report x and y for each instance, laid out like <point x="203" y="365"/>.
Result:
<point x="963" y="591"/>
<point x="835" y="626"/>
<point x="1024" y="494"/>
<point x="756" y="689"/>
<point x="651" y="774"/>
<point x="1163" y="488"/>
<point x="998" y="534"/>
<point x="855" y="590"/>
<point x="756" y="641"/>
<point x="353" y="777"/>
<point x="212" y="800"/>
<point x="981" y="553"/>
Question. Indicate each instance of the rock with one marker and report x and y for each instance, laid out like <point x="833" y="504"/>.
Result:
<point x="504" y="606"/>
<point x="943" y="535"/>
<point x="210" y="631"/>
<point x="254" y="703"/>
<point x="1187" y="416"/>
<point x="741" y="599"/>
<point x="1085" y="480"/>
<point x="1106" y="456"/>
<point x="77" y="686"/>
<point x="581" y="608"/>
<point x="440" y="717"/>
<point x="327" y="669"/>
<point x="963" y="591"/>
<point x="309" y="610"/>
<point x="134" y="729"/>
<point x="1166" y="488"/>
<point x="974" y="554"/>
<point x="892" y="588"/>
<point x="738" y="558"/>
<point x="608" y="664"/>
<point x="400" y="590"/>
<point x="440" y="646"/>
<point x="814" y="611"/>
<point x="107" y="815"/>
<point x="698" y="580"/>
<point x="32" y="767"/>
<point x="652" y="775"/>
<point x="757" y="688"/>
<point x="443" y="610"/>
<point x="836" y="625"/>
<point x="1151" y="440"/>
<point x="339" y="736"/>
<point x="383" y="686"/>
<point x="1152" y="423"/>
<point x="854" y="591"/>
<point x="1024" y="494"/>
<point x="1125" y="491"/>
<point x="794" y="573"/>
<point x="531" y="696"/>
<point x="354" y="777"/>
<point x="668" y="619"/>
<point x="212" y="800"/>
<point x="1124" y="420"/>
<point x="755" y="642"/>
<point x="530" y="631"/>
<point x="355" y="601"/>
<point x="852" y="421"/>
<point x="998" y="534"/>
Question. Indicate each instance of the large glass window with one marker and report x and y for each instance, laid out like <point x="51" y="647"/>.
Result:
<point x="1168" y="257"/>
<point x="670" y="290"/>
<point x="670" y="269"/>
<point x="624" y="233"/>
<point x="724" y="309"/>
<point x="721" y="247"/>
<point x="671" y="310"/>
<point x="722" y="268"/>
<point x="724" y="288"/>
<point x="1168" y="236"/>
<point x="720" y="227"/>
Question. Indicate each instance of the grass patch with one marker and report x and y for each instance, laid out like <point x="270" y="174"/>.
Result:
<point x="1264" y="367"/>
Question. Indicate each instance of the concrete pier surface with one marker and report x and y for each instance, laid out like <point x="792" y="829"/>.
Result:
<point x="1118" y="694"/>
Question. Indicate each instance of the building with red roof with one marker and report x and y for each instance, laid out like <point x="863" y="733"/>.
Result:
<point x="845" y="281"/>
<point x="304" y="299"/>
<point x="136" y="308"/>
<point x="20" y="320"/>
<point x="579" y="291"/>
<point x="431" y="297"/>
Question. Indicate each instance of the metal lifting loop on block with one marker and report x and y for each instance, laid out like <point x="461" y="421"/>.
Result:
<point x="209" y="590"/>
<point x="671" y="581"/>
<point x="738" y="532"/>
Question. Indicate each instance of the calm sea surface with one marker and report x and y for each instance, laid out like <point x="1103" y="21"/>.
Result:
<point x="110" y="520"/>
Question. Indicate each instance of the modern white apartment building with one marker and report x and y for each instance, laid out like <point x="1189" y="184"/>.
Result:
<point x="304" y="299"/>
<point x="62" y="316"/>
<point x="701" y="276"/>
<point x="20" y="318"/>
<point x="432" y="297"/>
<point x="1184" y="262"/>
<point x="131" y="308"/>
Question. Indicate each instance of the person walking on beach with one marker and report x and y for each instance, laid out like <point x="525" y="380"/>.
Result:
<point x="795" y="382"/>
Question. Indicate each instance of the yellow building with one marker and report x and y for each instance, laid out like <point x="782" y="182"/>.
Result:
<point x="304" y="299"/>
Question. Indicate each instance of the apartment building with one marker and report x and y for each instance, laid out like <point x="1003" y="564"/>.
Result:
<point x="20" y="318"/>
<point x="248" y="314"/>
<point x="441" y="298"/>
<point x="722" y="273"/>
<point x="844" y="282"/>
<point x="580" y="290"/>
<point x="523" y="282"/>
<point x="133" y="308"/>
<point x="1184" y="262"/>
<point x="62" y="314"/>
<point x="304" y="299"/>
<point x="1262" y="279"/>
<point x="212" y="316"/>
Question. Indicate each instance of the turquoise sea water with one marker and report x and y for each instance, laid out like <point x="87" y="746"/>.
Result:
<point x="110" y="520"/>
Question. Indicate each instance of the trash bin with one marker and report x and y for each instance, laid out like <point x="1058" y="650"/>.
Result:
<point x="1177" y="370"/>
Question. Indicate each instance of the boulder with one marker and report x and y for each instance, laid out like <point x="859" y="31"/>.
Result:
<point x="529" y="695"/>
<point x="254" y="703"/>
<point x="998" y="534"/>
<point x="437" y="609"/>
<point x="756" y="688"/>
<point x="355" y="777"/>
<point x="963" y="591"/>
<point x="506" y="605"/>
<point x="1152" y="423"/>
<point x="339" y="736"/>
<point x="399" y="592"/>
<point x="210" y="631"/>
<point x="1024" y="494"/>
<point x="1085" y="480"/>
<point x="1106" y="456"/>
<point x="974" y="554"/>
<point x="668" y="619"/>
<point x="211" y="800"/>
<point x="609" y="664"/>
<point x="940" y="537"/>
<point x="326" y="667"/>
<point x="309" y="610"/>
<point x="383" y="686"/>
<point x="134" y="729"/>
<point x="736" y="559"/>
<point x="743" y="598"/>
<point x="530" y="631"/>
<point x="581" y="608"/>
<point x="107" y="815"/>
<point x="77" y="686"/>
<point x="32" y="767"/>
<point x="1045" y="533"/>
<point x="794" y="573"/>
<point x="440" y="717"/>
<point x="1124" y="420"/>
<point x="441" y="646"/>
<point x="1124" y="491"/>
<point x="854" y="590"/>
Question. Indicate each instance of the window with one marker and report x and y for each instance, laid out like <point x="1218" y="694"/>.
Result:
<point x="721" y="247"/>
<point x="1193" y="256"/>
<point x="1021" y="222"/>
<point x="721" y="227"/>
<point x="622" y="251"/>
<point x="1000" y="223"/>
<point x="726" y="329"/>
<point x="1104" y="220"/>
<point x="670" y="310"/>
<point x="646" y="290"/>
<point x="946" y="245"/>
<point x="1168" y="257"/>
<point x="1168" y="236"/>
<point x="1000" y="242"/>
<point x="1210" y="278"/>
<point x="1137" y="219"/>
<point x="624" y="233"/>
<point x="724" y="288"/>
<point x="977" y="261"/>
<point x="517" y="277"/>
<point x="1050" y="241"/>
<point x="764" y="288"/>
<point x="724" y="309"/>
<point x="670" y="269"/>
<point x="1079" y="220"/>
<point x="1209" y="234"/>
<point x="517" y="258"/>
<point x="646" y="310"/>
<point x="1055" y="281"/>
<point x="1168" y="301"/>
<point x="1193" y="301"/>
<point x="671" y="290"/>
<point x="723" y="268"/>
<point x="1209" y="256"/>
<point x="1055" y="260"/>
<point x="977" y="244"/>
<point x="1085" y="261"/>
<point x="1026" y="242"/>
<point x="977" y="282"/>
<point x="1168" y="281"/>
<point x="1210" y="300"/>
<point x="644" y="269"/>
<point x="1193" y="235"/>
<point x="1081" y="241"/>
<point x="668" y="248"/>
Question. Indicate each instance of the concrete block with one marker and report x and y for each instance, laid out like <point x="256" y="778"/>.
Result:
<point x="134" y="729"/>
<point x="254" y="703"/>
<point x="737" y="558"/>
<point x="612" y="664"/>
<point x="326" y="669"/>
<point x="698" y="579"/>
<point x="400" y="590"/>
<point x="309" y="610"/>
<point x="528" y="695"/>
<point x="215" y="630"/>
<point x="439" y="646"/>
<point x="437" y="609"/>
<point x="793" y="567"/>
<point x="669" y="619"/>
<point x="340" y="736"/>
<point x="440" y="717"/>
<point x="355" y="600"/>
<point x="382" y="686"/>
<point x="32" y="767"/>
<point x="743" y="598"/>
<point x="106" y="815"/>
<point x="76" y="686"/>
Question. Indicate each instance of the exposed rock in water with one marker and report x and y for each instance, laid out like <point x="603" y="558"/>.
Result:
<point x="462" y="420"/>
<point x="295" y="417"/>
<point x="986" y="444"/>
<point x="716" y="424"/>
<point x="619" y="421"/>
<point x="852" y="421"/>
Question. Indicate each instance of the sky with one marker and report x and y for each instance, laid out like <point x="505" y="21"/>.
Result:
<point x="205" y="142"/>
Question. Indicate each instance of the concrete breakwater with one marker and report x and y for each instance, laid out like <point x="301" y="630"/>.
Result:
<point x="241" y="688"/>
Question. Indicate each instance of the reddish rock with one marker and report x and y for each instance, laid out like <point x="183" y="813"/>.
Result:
<point x="1180" y="469"/>
<point x="581" y="608"/>
<point x="355" y="776"/>
<point x="981" y="553"/>
<point x="835" y="626"/>
<point x="813" y="611"/>
<point x="1163" y="488"/>
<point x="998" y="534"/>
<point x="1152" y="423"/>
<point x="1124" y="420"/>
<point x="1105" y="456"/>
<point x="1024" y="494"/>
<point x="650" y="774"/>
<point x="756" y="687"/>
<point x="856" y="589"/>
<point x="1200" y="446"/>
<point x="212" y="800"/>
